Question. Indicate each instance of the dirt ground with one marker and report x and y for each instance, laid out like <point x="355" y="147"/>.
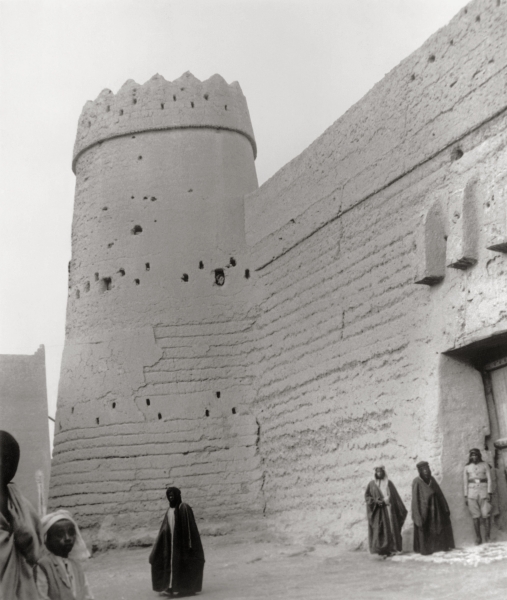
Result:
<point x="238" y="570"/>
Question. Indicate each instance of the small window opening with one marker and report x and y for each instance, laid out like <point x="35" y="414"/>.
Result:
<point x="201" y="265"/>
<point x="114" y="404"/>
<point x="217" y="394"/>
<point x="96" y="276"/>
<point x="147" y="266"/>
<point x="121" y="272"/>
<point x="136" y="281"/>
<point x="206" y="96"/>
<point x="72" y="410"/>
<point x="225" y="107"/>
<point x="132" y="197"/>
<point x="121" y="112"/>
<point x="232" y="261"/>
<point x="159" y="415"/>
<point x="219" y="277"/>
<point x="147" y="401"/>
<point x="136" y="229"/>
<point x="247" y="273"/>
<point x="233" y="411"/>
<point x="97" y="420"/>
<point x="104" y="208"/>
<point x="192" y="104"/>
<point x="184" y="277"/>
<point x="134" y="100"/>
<point x="139" y="157"/>
<point x="105" y="284"/>
<point x="133" y="137"/>
<point x="207" y="413"/>
<point x="162" y="105"/>
<point x="145" y="198"/>
<point x="87" y="286"/>
<point x="174" y="98"/>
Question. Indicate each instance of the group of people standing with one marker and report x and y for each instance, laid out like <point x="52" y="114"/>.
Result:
<point x="430" y="512"/>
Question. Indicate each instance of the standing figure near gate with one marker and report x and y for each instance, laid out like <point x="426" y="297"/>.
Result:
<point x="478" y="493"/>
<point x="430" y="513"/>
<point x="177" y="557"/>
<point x="386" y="515"/>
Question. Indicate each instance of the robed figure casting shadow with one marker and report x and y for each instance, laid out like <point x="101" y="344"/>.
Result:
<point x="386" y="515"/>
<point x="177" y="557"/>
<point x="430" y="513"/>
<point x="20" y="529"/>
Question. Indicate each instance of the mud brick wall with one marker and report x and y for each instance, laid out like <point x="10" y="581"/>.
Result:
<point x="361" y="288"/>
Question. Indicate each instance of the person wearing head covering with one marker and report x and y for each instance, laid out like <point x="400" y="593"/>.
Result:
<point x="59" y="573"/>
<point x="20" y="529"/>
<point x="386" y="514"/>
<point x="430" y="513"/>
<point x="478" y="493"/>
<point x="177" y="557"/>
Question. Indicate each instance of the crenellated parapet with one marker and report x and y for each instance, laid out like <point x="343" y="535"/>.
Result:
<point x="158" y="105"/>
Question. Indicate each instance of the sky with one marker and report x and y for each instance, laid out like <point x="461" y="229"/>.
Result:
<point x="300" y="63"/>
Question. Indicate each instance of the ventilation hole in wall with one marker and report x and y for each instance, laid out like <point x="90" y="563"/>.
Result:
<point x="201" y="265"/>
<point x="155" y="221"/>
<point x="478" y="18"/>
<point x="159" y="415"/>
<point x="121" y="112"/>
<point x="232" y="261"/>
<point x="456" y="154"/>
<point x="105" y="284"/>
<point x="217" y="394"/>
<point x="147" y="266"/>
<point x="133" y="137"/>
<point x="153" y="199"/>
<point x="219" y="277"/>
<point x="132" y="197"/>
<point x="108" y="108"/>
<point x="174" y="98"/>
<point x="139" y="157"/>
<point x="147" y="401"/>
<point x="104" y="208"/>
<point x="78" y="294"/>
<point x="184" y="277"/>
<point x="114" y="404"/>
<point x="233" y="411"/>
<point x="206" y="96"/>
<point x="145" y="198"/>
<point x="192" y="104"/>
<point x="431" y="58"/>
<point x="72" y="410"/>
<point x="445" y="238"/>
<point x="182" y="89"/>
<point x="136" y="230"/>
<point x="121" y="272"/>
<point x="162" y="105"/>
<point x="225" y="107"/>
<point x="207" y="413"/>
<point x="136" y="281"/>
<point x="247" y="273"/>
<point x="110" y="245"/>
<point x="134" y="100"/>
<point x="412" y="77"/>
<point x="97" y="420"/>
<point x="87" y="286"/>
<point x="190" y="190"/>
<point x="96" y="275"/>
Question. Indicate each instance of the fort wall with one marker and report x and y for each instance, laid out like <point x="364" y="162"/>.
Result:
<point x="372" y="253"/>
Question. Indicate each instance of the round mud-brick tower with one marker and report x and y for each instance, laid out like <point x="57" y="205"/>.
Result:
<point x="155" y="382"/>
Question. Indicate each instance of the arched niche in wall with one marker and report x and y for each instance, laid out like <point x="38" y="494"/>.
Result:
<point x="431" y="247"/>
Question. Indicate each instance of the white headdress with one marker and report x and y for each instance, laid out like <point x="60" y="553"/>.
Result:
<point x="79" y="551"/>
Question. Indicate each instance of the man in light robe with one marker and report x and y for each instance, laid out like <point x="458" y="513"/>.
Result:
<point x="430" y="513"/>
<point x="20" y="530"/>
<point x="386" y="515"/>
<point x="177" y="557"/>
<point x="478" y="493"/>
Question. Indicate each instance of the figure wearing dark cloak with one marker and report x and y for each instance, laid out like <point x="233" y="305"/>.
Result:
<point x="20" y="529"/>
<point x="386" y="515"/>
<point x="430" y="513"/>
<point x="177" y="557"/>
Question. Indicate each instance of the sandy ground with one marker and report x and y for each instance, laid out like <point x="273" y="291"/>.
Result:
<point x="237" y="570"/>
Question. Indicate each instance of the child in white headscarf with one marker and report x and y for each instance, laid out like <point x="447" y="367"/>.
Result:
<point x="59" y="573"/>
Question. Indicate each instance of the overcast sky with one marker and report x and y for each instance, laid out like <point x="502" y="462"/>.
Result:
<point x="301" y="64"/>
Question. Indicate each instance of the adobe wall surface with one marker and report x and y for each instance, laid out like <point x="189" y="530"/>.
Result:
<point x="155" y="385"/>
<point x="24" y="414"/>
<point x="408" y="186"/>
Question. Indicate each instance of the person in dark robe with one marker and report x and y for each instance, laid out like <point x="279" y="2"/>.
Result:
<point x="386" y="515"/>
<point x="430" y="513"/>
<point x="20" y="529"/>
<point x="177" y="557"/>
